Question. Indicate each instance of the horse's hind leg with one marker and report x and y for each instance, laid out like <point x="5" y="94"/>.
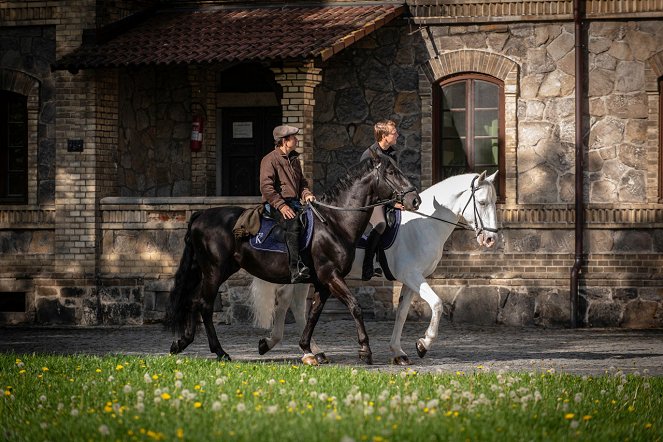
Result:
<point x="284" y="295"/>
<point x="209" y="290"/>
<point x="399" y="357"/>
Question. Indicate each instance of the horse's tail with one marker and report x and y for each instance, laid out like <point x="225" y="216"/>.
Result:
<point x="187" y="279"/>
<point x="263" y="302"/>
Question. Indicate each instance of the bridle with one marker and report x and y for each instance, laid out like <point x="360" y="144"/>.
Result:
<point x="479" y="227"/>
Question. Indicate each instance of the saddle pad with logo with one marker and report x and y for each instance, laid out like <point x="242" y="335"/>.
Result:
<point x="268" y="240"/>
<point x="389" y="235"/>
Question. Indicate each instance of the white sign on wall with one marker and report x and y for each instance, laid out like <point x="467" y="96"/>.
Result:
<point x="243" y="129"/>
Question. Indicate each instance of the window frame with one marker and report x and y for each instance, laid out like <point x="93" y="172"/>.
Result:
<point x="469" y="77"/>
<point x="4" y="123"/>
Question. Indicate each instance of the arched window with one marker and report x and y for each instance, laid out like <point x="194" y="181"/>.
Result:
<point x="468" y="133"/>
<point x="13" y="148"/>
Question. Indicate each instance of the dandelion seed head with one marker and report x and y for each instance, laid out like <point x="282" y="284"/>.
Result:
<point x="216" y="406"/>
<point x="74" y="412"/>
<point x="127" y="389"/>
<point x="103" y="430"/>
<point x="241" y="407"/>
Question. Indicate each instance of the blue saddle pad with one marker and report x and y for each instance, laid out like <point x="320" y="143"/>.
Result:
<point x="389" y="235"/>
<point x="267" y="241"/>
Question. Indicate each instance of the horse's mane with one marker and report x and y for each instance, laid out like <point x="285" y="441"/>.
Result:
<point x="353" y="174"/>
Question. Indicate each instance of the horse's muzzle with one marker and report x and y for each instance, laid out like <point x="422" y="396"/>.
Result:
<point x="411" y="200"/>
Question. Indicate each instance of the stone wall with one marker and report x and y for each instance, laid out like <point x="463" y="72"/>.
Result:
<point x="375" y="79"/>
<point x="154" y="129"/>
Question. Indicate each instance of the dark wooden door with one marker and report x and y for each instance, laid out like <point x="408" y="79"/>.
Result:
<point x="246" y="136"/>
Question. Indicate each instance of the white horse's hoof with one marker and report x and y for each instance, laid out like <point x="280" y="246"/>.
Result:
<point x="421" y="350"/>
<point x="309" y="359"/>
<point x="401" y="360"/>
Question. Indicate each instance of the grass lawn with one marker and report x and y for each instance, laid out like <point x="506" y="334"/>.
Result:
<point x="71" y="398"/>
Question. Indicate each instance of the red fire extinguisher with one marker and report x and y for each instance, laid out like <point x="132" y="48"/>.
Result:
<point x="197" y="124"/>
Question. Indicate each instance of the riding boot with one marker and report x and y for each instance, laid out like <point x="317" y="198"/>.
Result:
<point x="368" y="270"/>
<point x="298" y="270"/>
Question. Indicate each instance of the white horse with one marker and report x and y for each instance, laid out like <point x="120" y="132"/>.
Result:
<point x="414" y="255"/>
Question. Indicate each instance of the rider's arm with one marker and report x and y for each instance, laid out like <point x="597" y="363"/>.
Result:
<point x="268" y="177"/>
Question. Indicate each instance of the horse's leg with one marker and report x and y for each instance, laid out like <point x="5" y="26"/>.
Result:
<point x="399" y="357"/>
<point x="427" y="294"/>
<point x="209" y="289"/>
<point x="283" y="299"/>
<point x="340" y="289"/>
<point x="319" y="299"/>
<point x="298" y="308"/>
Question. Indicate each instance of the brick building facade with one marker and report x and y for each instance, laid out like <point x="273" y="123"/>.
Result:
<point x="107" y="181"/>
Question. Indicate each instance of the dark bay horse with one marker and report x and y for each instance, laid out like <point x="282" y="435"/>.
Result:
<point x="212" y="254"/>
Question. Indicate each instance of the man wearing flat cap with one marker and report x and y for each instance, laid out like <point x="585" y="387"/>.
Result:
<point x="283" y="187"/>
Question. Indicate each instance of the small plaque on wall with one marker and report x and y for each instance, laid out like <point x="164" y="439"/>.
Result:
<point x="242" y="129"/>
<point x="74" y="145"/>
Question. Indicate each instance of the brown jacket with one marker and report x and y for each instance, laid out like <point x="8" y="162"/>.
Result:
<point x="281" y="177"/>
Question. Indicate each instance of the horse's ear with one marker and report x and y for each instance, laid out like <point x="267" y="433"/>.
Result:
<point x="481" y="177"/>
<point x="491" y="179"/>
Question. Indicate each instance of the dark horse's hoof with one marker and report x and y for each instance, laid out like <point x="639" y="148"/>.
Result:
<point x="174" y="348"/>
<point x="401" y="360"/>
<point x="262" y="346"/>
<point x="322" y="358"/>
<point x="223" y="357"/>
<point x="366" y="356"/>
<point x="421" y="350"/>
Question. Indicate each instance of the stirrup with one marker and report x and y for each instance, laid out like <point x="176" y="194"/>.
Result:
<point x="302" y="275"/>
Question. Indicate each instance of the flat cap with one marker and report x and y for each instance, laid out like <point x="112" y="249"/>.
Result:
<point x="284" y="131"/>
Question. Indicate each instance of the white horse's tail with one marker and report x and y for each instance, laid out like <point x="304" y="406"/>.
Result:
<point x="263" y="302"/>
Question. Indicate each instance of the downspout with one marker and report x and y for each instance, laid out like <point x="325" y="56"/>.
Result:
<point x="576" y="270"/>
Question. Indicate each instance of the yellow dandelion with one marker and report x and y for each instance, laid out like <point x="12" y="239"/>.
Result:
<point x="569" y="416"/>
<point x="8" y="393"/>
<point x="394" y="426"/>
<point x="480" y="367"/>
<point x="196" y="387"/>
<point x="21" y="372"/>
<point x="180" y="433"/>
<point x="119" y="367"/>
<point x="98" y="370"/>
<point x="197" y="404"/>
<point x="155" y="377"/>
<point x="426" y="410"/>
<point x="165" y="396"/>
<point x="648" y="425"/>
<point x="108" y="408"/>
<point x="18" y="361"/>
<point x="586" y="417"/>
<point x="631" y="408"/>
<point x="456" y="414"/>
<point x="44" y="368"/>
<point x="378" y="438"/>
<point x="448" y="413"/>
<point x="282" y="381"/>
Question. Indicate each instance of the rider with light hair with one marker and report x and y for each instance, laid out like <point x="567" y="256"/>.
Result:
<point x="386" y="136"/>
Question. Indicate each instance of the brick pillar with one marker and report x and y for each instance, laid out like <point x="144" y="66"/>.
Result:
<point x="72" y="290"/>
<point x="298" y="82"/>
<point x="203" y="103"/>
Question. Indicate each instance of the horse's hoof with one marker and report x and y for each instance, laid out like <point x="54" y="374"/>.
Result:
<point x="262" y="346"/>
<point x="366" y="356"/>
<point x="401" y="360"/>
<point x="421" y="350"/>
<point x="223" y="357"/>
<point x="322" y="358"/>
<point x="174" y="348"/>
<point x="309" y="359"/>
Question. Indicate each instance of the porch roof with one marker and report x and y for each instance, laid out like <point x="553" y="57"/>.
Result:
<point x="235" y="34"/>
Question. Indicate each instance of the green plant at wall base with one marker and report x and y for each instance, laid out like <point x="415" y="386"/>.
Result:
<point x="177" y="398"/>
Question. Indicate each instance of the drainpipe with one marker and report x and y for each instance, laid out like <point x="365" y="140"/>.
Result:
<point x="576" y="270"/>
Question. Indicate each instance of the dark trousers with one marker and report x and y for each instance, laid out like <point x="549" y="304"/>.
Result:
<point x="292" y="228"/>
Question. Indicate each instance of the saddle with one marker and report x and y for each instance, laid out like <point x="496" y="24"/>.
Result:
<point x="387" y="239"/>
<point x="271" y="237"/>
